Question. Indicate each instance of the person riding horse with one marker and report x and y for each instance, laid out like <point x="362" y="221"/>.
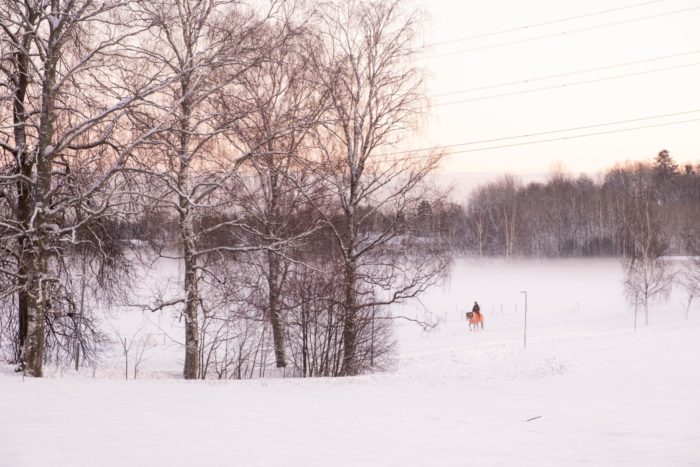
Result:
<point x="475" y="317"/>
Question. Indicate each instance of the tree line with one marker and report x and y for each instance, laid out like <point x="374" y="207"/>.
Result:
<point x="578" y="216"/>
<point x="252" y="145"/>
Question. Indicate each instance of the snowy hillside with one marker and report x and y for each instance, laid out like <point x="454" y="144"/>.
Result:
<point x="588" y="390"/>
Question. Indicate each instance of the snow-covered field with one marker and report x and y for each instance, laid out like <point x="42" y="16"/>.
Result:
<point x="588" y="390"/>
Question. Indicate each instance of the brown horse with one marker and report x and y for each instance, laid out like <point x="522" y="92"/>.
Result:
<point x="475" y="319"/>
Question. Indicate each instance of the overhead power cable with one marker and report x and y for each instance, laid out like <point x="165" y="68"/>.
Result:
<point x="543" y="133"/>
<point x="563" y="138"/>
<point x="566" y="85"/>
<point x="563" y="33"/>
<point x="562" y="75"/>
<point x="545" y="23"/>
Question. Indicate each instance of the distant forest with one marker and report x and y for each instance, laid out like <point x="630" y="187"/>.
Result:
<point x="565" y="216"/>
<point x="579" y="216"/>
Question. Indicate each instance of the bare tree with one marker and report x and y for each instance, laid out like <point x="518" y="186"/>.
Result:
<point x="136" y="355"/>
<point x="374" y="98"/>
<point x="315" y="325"/>
<point x="646" y="273"/>
<point x="210" y="45"/>
<point x="67" y="99"/>
<point x="235" y="337"/>
<point x="478" y="215"/>
<point x="506" y="212"/>
<point x="690" y="281"/>
<point x="182" y="41"/>
<point x="286" y="105"/>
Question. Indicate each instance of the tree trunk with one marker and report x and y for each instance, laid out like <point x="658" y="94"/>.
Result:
<point x="37" y="300"/>
<point x="23" y="215"/>
<point x="350" y="362"/>
<point x="350" y="321"/>
<point x="274" y="287"/>
<point x="304" y="343"/>
<point x="126" y="358"/>
<point x="23" y="311"/>
<point x="81" y="311"/>
<point x="24" y="194"/>
<point x="646" y="313"/>
<point x="191" y="368"/>
<point x="24" y="167"/>
<point x="32" y="357"/>
<point x="687" y="308"/>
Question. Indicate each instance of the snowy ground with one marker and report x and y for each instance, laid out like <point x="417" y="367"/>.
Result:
<point x="588" y="390"/>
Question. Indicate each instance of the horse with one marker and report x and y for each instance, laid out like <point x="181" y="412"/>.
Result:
<point x="474" y="320"/>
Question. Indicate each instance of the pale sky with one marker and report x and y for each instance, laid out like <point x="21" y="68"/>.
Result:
<point x="633" y="97"/>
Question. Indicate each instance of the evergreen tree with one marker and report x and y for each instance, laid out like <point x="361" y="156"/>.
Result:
<point x="664" y="165"/>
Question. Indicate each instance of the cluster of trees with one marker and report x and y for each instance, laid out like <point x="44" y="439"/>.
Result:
<point x="252" y="145"/>
<point x="567" y="216"/>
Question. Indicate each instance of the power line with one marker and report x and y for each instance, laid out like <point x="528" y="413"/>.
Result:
<point x="565" y="85"/>
<point x="563" y="33"/>
<point x="562" y="75"/>
<point x="543" y="133"/>
<point x="573" y="137"/>
<point x="544" y="23"/>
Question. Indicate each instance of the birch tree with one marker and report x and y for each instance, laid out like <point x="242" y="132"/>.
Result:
<point x="210" y="45"/>
<point x="478" y="215"/>
<point x="375" y="99"/>
<point x="690" y="281"/>
<point x="286" y="104"/>
<point x="646" y="273"/>
<point x="64" y="102"/>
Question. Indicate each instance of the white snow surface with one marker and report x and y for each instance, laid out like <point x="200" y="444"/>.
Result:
<point x="588" y="390"/>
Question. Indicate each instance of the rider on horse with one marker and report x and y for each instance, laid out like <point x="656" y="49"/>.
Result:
<point x="475" y="317"/>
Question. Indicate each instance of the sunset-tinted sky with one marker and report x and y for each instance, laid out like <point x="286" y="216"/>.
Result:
<point x="650" y="87"/>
